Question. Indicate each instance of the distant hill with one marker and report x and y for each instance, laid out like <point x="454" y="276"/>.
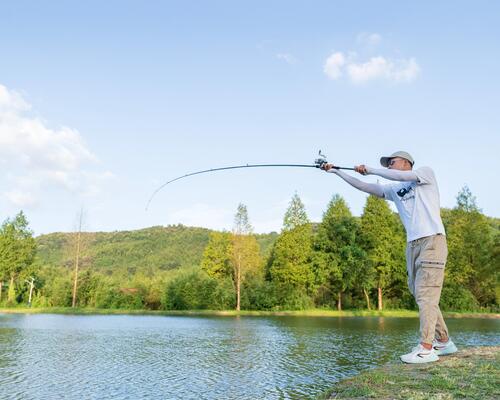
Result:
<point x="164" y="248"/>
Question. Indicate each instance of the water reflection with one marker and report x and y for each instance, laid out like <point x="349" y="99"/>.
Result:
<point x="144" y="357"/>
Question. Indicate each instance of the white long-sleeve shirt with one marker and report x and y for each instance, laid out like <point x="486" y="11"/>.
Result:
<point x="416" y="196"/>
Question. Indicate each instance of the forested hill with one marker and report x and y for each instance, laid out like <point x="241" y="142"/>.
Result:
<point x="165" y="248"/>
<point x="343" y="261"/>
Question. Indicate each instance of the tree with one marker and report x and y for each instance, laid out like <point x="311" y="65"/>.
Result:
<point x="77" y="249"/>
<point x="338" y="257"/>
<point x="378" y="238"/>
<point x="17" y="250"/>
<point x="77" y="258"/>
<point x="290" y="264"/>
<point x="466" y="201"/>
<point x="472" y="261"/>
<point x="233" y="255"/>
<point x="217" y="255"/>
<point x="189" y="290"/>
<point x="295" y="215"/>
<point x="246" y="251"/>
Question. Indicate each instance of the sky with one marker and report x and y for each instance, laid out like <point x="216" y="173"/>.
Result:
<point x="103" y="102"/>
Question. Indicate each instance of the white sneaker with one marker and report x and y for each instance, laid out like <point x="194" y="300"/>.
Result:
<point x="420" y="355"/>
<point x="443" y="349"/>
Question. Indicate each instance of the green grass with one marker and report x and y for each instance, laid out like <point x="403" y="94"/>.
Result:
<point x="303" y="313"/>
<point x="472" y="373"/>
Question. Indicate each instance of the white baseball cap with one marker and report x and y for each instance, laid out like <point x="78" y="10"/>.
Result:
<point x="401" y="154"/>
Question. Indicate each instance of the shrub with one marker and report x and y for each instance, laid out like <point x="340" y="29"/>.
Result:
<point x="258" y="295"/>
<point x="192" y="290"/>
<point x="457" y="298"/>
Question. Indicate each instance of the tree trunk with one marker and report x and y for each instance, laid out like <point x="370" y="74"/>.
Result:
<point x="238" y="283"/>
<point x="11" y="296"/>
<point x="1" y="287"/>
<point x="77" y="259"/>
<point x="367" y="299"/>
<point x="379" y="298"/>
<point x="32" y="285"/>
<point x="339" y="302"/>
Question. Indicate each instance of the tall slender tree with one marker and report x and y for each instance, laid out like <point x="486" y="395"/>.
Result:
<point x="246" y="251"/>
<point x="78" y="246"/>
<point x="295" y="214"/>
<point x="290" y="265"/>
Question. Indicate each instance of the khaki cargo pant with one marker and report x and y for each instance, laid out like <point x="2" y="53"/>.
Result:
<point x="425" y="262"/>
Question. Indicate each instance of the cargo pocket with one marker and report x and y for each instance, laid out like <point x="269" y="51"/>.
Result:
<point x="431" y="274"/>
<point x="430" y="243"/>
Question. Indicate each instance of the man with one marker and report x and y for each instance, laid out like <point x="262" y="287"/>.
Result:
<point x="416" y="196"/>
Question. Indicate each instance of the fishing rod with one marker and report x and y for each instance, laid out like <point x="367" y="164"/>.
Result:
<point x="318" y="163"/>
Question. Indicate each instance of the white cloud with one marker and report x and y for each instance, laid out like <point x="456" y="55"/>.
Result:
<point x="376" y="68"/>
<point x="351" y="66"/>
<point x="369" y="39"/>
<point x="406" y="71"/>
<point x="288" y="58"/>
<point x="20" y="199"/>
<point x="11" y="101"/>
<point x="334" y="65"/>
<point x="37" y="155"/>
<point x="382" y="68"/>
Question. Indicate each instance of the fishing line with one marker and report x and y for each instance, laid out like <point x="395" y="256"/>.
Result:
<point x="318" y="163"/>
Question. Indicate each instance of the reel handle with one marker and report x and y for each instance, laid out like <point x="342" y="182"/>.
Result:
<point x="321" y="161"/>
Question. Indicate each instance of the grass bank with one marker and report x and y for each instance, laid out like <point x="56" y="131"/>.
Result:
<point x="472" y="373"/>
<point x="231" y="313"/>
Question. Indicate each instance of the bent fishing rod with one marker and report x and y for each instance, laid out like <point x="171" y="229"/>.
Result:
<point x="318" y="163"/>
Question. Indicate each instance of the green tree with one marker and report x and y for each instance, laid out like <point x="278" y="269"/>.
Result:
<point x="59" y="291"/>
<point x="338" y="257"/>
<point x="495" y="263"/>
<point x="472" y="266"/>
<point x="17" y="250"/>
<point x="78" y="249"/>
<point x="379" y="238"/>
<point x="466" y="201"/>
<point x="217" y="256"/>
<point x="246" y="252"/>
<point x="290" y="264"/>
<point x="295" y="215"/>
<point x="233" y="255"/>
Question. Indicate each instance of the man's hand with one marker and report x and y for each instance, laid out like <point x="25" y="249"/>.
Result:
<point x="361" y="169"/>
<point x="327" y="167"/>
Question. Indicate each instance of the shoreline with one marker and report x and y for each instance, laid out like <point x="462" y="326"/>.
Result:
<point x="244" y="313"/>
<point x="471" y="373"/>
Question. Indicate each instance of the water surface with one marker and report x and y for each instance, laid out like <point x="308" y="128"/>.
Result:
<point x="157" y="357"/>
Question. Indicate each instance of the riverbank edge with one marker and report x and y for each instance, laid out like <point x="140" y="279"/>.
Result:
<point x="471" y="373"/>
<point x="244" y="313"/>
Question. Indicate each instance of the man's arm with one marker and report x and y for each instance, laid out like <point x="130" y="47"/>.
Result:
<point x="393" y="174"/>
<point x="371" y="188"/>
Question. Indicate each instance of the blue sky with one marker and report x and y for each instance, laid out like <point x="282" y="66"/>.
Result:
<point x="102" y="102"/>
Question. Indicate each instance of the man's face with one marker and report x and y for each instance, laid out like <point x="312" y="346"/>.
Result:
<point x="399" y="163"/>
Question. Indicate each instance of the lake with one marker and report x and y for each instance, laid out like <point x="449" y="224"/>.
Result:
<point x="176" y="357"/>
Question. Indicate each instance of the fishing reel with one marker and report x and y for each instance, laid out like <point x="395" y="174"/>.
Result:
<point x="321" y="160"/>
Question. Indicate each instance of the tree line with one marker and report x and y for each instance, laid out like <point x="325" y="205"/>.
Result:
<point x="341" y="262"/>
